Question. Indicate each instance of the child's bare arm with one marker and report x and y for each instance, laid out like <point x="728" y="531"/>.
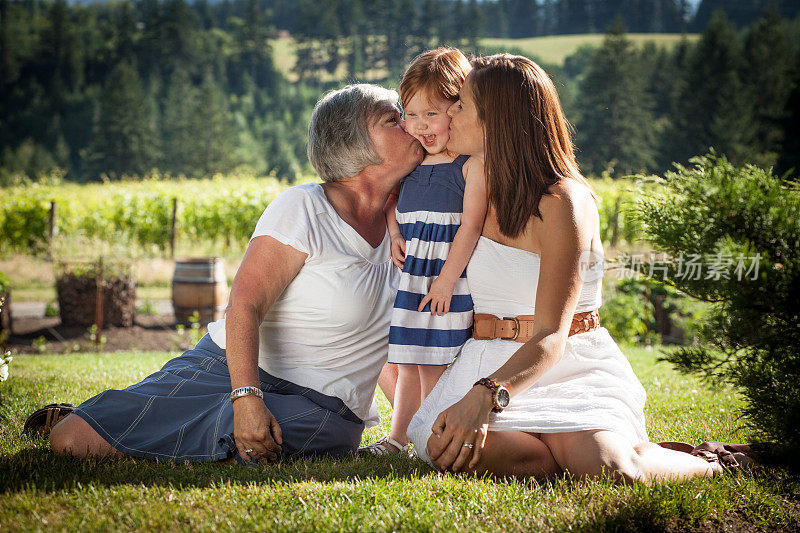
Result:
<point x="398" y="242"/>
<point x="474" y="213"/>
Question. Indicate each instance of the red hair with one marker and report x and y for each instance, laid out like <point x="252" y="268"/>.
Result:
<point x="440" y="72"/>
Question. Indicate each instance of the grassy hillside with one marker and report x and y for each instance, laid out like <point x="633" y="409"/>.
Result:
<point x="551" y="50"/>
<point x="554" y="49"/>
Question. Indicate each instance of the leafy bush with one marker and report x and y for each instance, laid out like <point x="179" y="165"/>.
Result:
<point x="629" y="312"/>
<point x="743" y="225"/>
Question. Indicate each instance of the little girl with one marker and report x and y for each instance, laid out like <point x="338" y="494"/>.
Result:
<point x="438" y="220"/>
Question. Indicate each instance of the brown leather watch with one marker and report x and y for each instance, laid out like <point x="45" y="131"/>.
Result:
<point x="500" y="395"/>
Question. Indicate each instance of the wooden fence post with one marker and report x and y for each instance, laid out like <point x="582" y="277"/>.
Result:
<point x="615" y="222"/>
<point x="51" y="224"/>
<point x="172" y="229"/>
<point x="98" y="309"/>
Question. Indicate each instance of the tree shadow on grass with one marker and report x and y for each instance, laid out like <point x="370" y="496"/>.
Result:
<point x="39" y="468"/>
<point x="42" y="469"/>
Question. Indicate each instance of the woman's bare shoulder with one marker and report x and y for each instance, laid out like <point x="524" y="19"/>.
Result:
<point x="566" y="198"/>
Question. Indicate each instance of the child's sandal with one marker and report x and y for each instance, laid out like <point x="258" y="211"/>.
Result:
<point x="382" y="447"/>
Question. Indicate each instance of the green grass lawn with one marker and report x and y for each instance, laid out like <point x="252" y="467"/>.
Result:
<point x="39" y="490"/>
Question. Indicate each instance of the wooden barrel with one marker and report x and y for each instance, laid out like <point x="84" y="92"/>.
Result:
<point x="199" y="284"/>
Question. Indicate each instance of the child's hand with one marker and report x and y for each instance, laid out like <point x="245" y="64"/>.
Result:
<point x="398" y="251"/>
<point x="439" y="296"/>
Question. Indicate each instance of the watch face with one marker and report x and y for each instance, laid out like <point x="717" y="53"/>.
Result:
<point x="503" y="397"/>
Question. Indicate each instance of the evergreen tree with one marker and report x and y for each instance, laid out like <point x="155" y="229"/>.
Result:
<point x="667" y="86"/>
<point x="214" y="132"/>
<point x="151" y="44"/>
<point x="616" y="120"/>
<point x="767" y="76"/>
<point x="789" y="157"/>
<point x="431" y="27"/>
<point x="9" y="70"/>
<point x="62" y="66"/>
<point x="123" y="138"/>
<point x="473" y="26"/>
<point x="126" y="32"/>
<point x="179" y="26"/>
<point x="573" y="16"/>
<point x="255" y="50"/>
<point x="180" y="129"/>
<point x="411" y="37"/>
<point x="712" y="109"/>
<point x="742" y="225"/>
<point x="523" y="18"/>
<point x="351" y="19"/>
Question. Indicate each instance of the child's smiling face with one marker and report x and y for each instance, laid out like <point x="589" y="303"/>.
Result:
<point x="427" y="120"/>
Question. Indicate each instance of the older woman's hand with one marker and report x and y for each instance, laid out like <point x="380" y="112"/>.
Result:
<point x="256" y="429"/>
<point x="465" y="422"/>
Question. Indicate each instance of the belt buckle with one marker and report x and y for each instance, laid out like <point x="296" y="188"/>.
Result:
<point x="516" y="326"/>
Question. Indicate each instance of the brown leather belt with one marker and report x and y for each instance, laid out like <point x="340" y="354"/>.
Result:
<point x="520" y="328"/>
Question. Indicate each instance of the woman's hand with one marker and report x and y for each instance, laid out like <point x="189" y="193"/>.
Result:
<point x="398" y="251"/>
<point x="254" y="428"/>
<point x="465" y="422"/>
<point x="439" y="295"/>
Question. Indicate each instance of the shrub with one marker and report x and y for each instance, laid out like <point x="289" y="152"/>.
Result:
<point x="639" y="310"/>
<point x="741" y="225"/>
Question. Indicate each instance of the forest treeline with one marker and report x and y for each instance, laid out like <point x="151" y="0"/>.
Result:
<point x="114" y="89"/>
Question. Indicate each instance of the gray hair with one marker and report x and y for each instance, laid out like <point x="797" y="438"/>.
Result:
<point x="339" y="145"/>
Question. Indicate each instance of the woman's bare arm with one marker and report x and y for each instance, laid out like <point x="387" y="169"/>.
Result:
<point x="568" y="227"/>
<point x="266" y="270"/>
<point x="570" y="222"/>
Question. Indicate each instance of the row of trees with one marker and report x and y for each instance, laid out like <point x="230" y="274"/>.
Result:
<point x="514" y="18"/>
<point x="640" y="110"/>
<point x="121" y="88"/>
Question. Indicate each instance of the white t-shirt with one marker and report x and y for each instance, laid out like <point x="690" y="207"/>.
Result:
<point x="329" y="330"/>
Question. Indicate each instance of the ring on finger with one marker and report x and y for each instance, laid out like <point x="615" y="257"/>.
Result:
<point x="249" y="450"/>
<point x="467" y="445"/>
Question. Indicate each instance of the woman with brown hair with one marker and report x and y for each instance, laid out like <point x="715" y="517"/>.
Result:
<point x="536" y="397"/>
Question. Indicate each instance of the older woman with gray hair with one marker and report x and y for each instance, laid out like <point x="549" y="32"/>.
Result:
<point x="292" y="368"/>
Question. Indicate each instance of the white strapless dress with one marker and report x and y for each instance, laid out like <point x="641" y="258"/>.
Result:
<point x="591" y="387"/>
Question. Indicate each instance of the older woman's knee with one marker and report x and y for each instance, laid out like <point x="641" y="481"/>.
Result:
<point x="74" y="436"/>
<point x="64" y="436"/>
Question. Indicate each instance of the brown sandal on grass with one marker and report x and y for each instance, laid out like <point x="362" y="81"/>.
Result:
<point x="730" y="456"/>
<point x="684" y="447"/>
<point x="42" y="420"/>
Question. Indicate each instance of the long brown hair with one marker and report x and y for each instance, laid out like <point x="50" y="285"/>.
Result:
<point x="527" y="143"/>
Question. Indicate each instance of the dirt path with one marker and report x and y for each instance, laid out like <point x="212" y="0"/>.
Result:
<point x="149" y="333"/>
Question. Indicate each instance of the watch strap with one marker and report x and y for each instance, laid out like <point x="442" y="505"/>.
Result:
<point x="493" y="386"/>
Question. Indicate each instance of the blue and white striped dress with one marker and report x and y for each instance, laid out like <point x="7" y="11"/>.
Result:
<point x="429" y="214"/>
